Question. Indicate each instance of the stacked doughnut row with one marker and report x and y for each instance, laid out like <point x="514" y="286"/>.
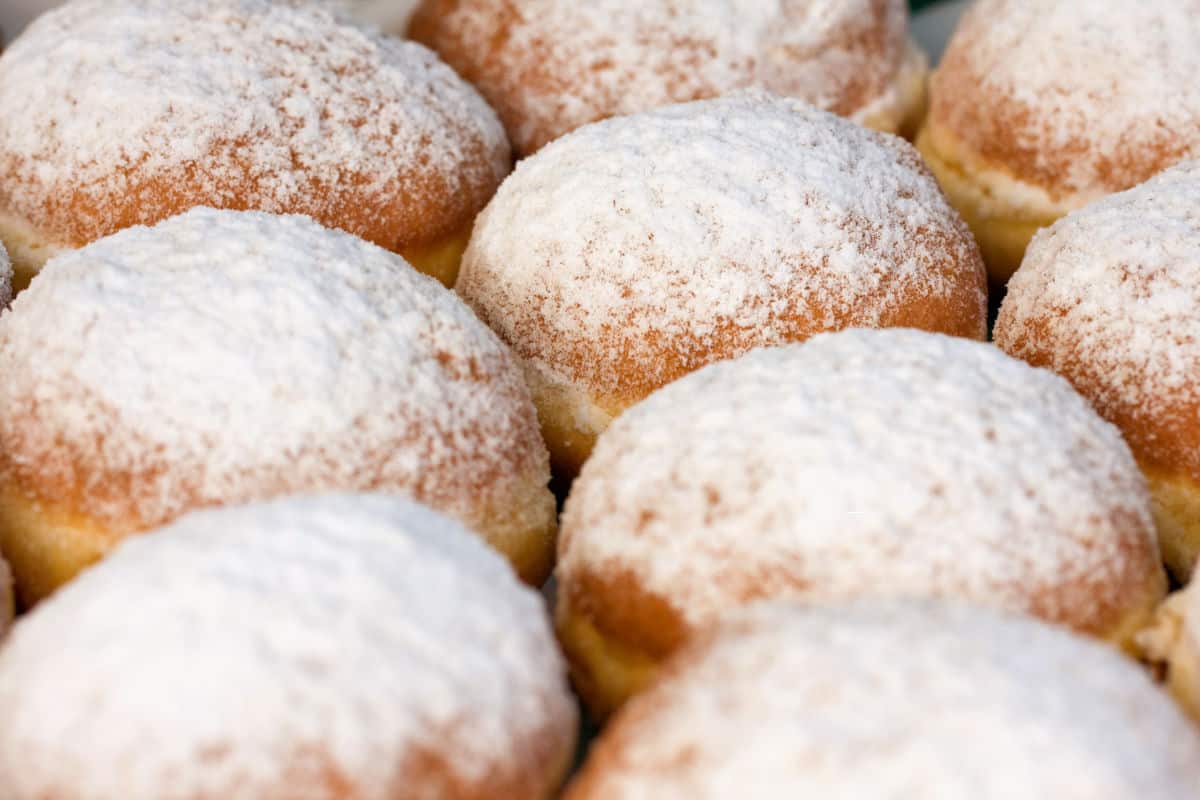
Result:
<point x="294" y="358"/>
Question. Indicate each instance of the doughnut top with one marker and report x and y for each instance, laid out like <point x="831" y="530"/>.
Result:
<point x="354" y="646"/>
<point x="638" y="249"/>
<point x="131" y="111"/>
<point x="550" y="66"/>
<point x="1110" y="297"/>
<point x="896" y="701"/>
<point x="866" y="463"/>
<point x="225" y="356"/>
<point x="1079" y="98"/>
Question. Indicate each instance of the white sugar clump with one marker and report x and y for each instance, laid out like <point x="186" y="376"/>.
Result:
<point x="225" y="356"/>
<point x="896" y="702"/>
<point x="321" y="647"/>
<point x="868" y="464"/>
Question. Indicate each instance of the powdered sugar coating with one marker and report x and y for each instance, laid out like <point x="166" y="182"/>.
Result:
<point x="635" y="250"/>
<point x="897" y="701"/>
<point x="322" y="648"/>
<point x="1110" y="297"/>
<point x="1078" y="97"/>
<point x="126" y="112"/>
<point x="550" y="66"/>
<point x="868" y="464"/>
<point x="223" y="357"/>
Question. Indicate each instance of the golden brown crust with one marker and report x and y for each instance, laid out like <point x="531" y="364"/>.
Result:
<point x="1009" y="89"/>
<point x="405" y="153"/>
<point x="548" y="73"/>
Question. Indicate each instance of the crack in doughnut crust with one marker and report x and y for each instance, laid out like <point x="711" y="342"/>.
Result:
<point x="551" y="66"/>
<point x="895" y="702"/>
<point x="1109" y="298"/>
<point x="638" y="249"/>
<point x="864" y="463"/>
<point x="1042" y="106"/>
<point x="327" y="648"/>
<point x="224" y="357"/>
<point x="126" y="112"/>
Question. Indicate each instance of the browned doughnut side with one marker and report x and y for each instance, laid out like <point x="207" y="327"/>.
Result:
<point x="420" y="214"/>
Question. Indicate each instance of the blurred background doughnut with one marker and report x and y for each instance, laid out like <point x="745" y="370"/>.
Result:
<point x="125" y="112"/>
<point x="1042" y="106"/>
<point x="550" y="66"/>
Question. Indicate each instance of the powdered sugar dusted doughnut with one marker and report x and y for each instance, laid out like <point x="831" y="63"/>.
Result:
<point x="223" y="357"/>
<point x="322" y="648"/>
<point x="859" y="464"/>
<point x="550" y="66"/>
<point x="636" y="250"/>
<point x="1109" y="297"/>
<point x="123" y="112"/>
<point x="1042" y="106"/>
<point x="895" y="701"/>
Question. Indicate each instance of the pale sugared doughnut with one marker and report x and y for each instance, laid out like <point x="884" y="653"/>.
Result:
<point x="224" y="357"/>
<point x="125" y="112"/>
<point x="905" y="701"/>
<point x="322" y="648"/>
<point x="639" y="249"/>
<point x="550" y="66"/>
<point x="1109" y="298"/>
<point x="1042" y="106"/>
<point x="858" y="464"/>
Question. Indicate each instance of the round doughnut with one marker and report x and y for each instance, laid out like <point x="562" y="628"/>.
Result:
<point x="1109" y="298"/>
<point x="224" y="357"/>
<point x="126" y="112"/>
<point x="551" y="66"/>
<point x="639" y="249"/>
<point x="1040" y="107"/>
<point x="320" y="648"/>
<point x="894" y="702"/>
<point x="858" y="464"/>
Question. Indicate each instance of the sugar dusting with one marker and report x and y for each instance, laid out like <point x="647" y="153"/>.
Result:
<point x="1110" y="296"/>
<point x="898" y="701"/>
<point x="868" y="463"/>
<point x="277" y="106"/>
<point x="551" y="66"/>
<point x="230" y="356"/>
<point x="1083" y="97"/>
<point x="262" y="651"/>
<point x="635" y="249"/>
